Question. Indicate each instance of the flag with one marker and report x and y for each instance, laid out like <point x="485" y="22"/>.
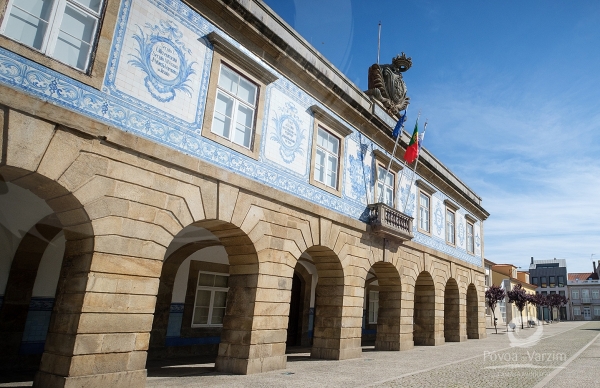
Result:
<point x="413" y="147"/>
<point x="398" y="127"/>
<point x="422" y="136"/>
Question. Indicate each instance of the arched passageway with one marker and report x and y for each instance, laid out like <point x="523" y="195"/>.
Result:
<point x="46" y="242"/>
<point x="383" y="294"/>
<point x="424" y="310"/>
<point x="301" y="315"/>
<point x="335" y="336"/>
<point x="451" y="312"/>
<point x="206" y="297"/>
<point x="472" y="313"/>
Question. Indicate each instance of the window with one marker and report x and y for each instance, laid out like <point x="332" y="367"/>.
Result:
<point x="326" y="158"/>
<point x="373" y="306"/>
<point x="62" y="29"/>
<point x="534" y="280"/>
<point x="544" y="284"/>
<point x="544" y="292"/>
<point x="575" y="294"/>
<point x="596" y="294"/>
<point x="561" y="281"/>
<point x="424" y="203"/>
<point x="211" y="298"/>
<point x="576" y="311"/>
<point x="597" y="311"/>
<point x="552" y="282"/>
<point x="235" y="107"/>
<point x="552" y="292"/>
<point x="450" y="227"/>
<point x="470" y="239"/>
<point x="385" y="186"/>
<point x="561" y="293"/>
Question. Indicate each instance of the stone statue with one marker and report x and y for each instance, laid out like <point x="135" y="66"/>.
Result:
<point x="387" y="86"/>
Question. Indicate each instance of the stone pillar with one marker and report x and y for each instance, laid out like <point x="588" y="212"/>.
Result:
<point x="407" y="317"/>
<point x="338" y="320"/>
<point x="389" y="318"/>
<point x="255" y="323"/>
<point x="102" y="317"/>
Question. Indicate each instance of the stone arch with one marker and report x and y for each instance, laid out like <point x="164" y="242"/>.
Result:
<point x="472" y="313"/>
<point x="243" y="271"/>
<point x="424" y="310"/>
<point x="19" y="287"/>
<point x="330" y="341"/>
<point x="452" y="311"/>
<point x="70" y="217"/>
<point x="389" y="315"/>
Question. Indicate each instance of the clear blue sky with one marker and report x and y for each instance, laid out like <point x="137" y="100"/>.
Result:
<point x="512" y="93"/>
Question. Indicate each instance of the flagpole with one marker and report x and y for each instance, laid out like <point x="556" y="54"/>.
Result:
<point x="414" y="170"/>
<point x="378" y="42"/>
<point x="403" y="161"/>
<point x="393" y="153"/>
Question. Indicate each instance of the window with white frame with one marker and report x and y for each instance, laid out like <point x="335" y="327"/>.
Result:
<point x="327" y="158"/>
<point x="450" y="227"/>
<point x="597" y="311"/>
<point x="235" y="107"/>
<point x="470" y="239"/>
<point x="211" y="299"/>
<point x="373" y="306"/>
<point x="385" y="186"/>
<point x="65" y="30"/>
<point x="575" y="294"/>
<point x="596" y="294"/>
<point x="576" y="311"/>
<point x="424" y="206"/>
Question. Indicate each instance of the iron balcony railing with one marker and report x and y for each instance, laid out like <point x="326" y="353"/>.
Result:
<point x="389" y="222"/>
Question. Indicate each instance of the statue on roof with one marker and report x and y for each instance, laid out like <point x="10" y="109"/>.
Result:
<point x="387" y="86"/>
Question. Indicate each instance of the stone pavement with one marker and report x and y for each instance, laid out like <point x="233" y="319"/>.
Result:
<point x="567" y="352"/>
<point x="554" y="355"/>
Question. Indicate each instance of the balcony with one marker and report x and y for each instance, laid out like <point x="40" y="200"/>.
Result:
<point x="388" y="222"/>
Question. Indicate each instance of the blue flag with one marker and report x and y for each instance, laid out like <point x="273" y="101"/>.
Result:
<point x="398" y="127"/>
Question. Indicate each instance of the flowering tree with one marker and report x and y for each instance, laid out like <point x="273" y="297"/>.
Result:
<point x="518" y="296"/>
<point x="556" y="301"/>
<point x="535" y="300"/>
<point x="493" y="295"/>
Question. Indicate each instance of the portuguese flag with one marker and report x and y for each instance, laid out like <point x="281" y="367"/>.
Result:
<point x="413" y="147"/>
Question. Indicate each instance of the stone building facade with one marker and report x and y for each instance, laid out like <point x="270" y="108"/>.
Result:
<point x="194" y="178"/>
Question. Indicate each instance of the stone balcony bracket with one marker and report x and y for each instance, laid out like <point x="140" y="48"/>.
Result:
<point x="389" y="222"/>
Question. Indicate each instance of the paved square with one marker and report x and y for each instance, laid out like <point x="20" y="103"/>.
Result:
<point x="565" y="352"/>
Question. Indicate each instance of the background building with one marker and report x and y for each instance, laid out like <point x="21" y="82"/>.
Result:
<point x="182" y="178"/>
<point x="550" y="277"/>
<point x="507" y="276"/>
<point x="584" y="294"/>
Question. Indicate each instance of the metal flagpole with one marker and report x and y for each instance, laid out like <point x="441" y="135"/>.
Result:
<point x="414" y="169"/>
<point x="378" y="42"/>
<point x="393" y="152"/>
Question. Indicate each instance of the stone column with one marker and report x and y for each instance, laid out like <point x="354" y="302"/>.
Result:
<point x="100" y="327"/>
<point x="255" y="323"/>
